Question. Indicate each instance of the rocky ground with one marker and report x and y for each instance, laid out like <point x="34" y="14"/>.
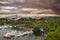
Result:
<point x="39" y="38"/>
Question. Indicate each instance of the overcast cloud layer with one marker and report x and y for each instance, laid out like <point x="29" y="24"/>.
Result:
<point x="52" y="4"/>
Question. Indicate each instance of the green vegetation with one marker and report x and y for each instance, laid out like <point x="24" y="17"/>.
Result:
<point x="54" y="35"/>
<point x="51" y="26"/>
<point x="48" y="25"/>
<point x="15" y="28"/>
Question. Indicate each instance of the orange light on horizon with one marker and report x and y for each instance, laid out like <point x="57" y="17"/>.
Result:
<point x="3" y="2"/>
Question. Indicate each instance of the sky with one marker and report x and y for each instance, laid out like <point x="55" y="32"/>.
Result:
<point x="43" y="3"/>
<point x="52" y="4"/>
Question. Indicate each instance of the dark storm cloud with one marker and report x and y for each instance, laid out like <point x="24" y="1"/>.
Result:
<point x="56" y="4"/>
